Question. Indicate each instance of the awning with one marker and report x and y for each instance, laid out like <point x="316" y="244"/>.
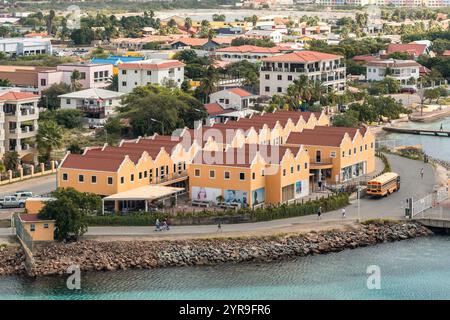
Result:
<point x="150" y="193"/>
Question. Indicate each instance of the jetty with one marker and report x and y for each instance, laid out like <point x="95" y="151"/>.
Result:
<point x="417" y="131"/>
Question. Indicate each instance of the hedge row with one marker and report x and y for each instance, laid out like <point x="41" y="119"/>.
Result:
<point x="330" y="203"/>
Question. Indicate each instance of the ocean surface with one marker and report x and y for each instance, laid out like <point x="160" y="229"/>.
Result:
<point x="410" y="269"/>
<point x="438" y="147"/>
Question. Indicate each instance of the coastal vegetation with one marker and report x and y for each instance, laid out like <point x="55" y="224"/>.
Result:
<point x="310" y="207"/>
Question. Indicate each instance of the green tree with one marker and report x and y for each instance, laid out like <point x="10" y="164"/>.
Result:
<point x="11" y="160"/>
<point x="5" y="83"/>
<point x="69" y="210"/>
<point x="218" y="17"/>
<point x="74" y="84"/>
<point x="69" y="118"/>
<point x="113" y="83"/>
<point x="348" y="119"/>
<point x="49" y="97"/>
<point x="48" y="138"/>
<point x="82" y="36"/>
<point x="75" y="148"/>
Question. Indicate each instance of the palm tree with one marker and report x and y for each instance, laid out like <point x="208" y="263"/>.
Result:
<point x="300" y="90"/>
<point x="11" y="160"/>
<point x="5" y="83"/>
<point x="76" y="75"/>
<point x="48" y="138"/>
<point x="113" y="83"/>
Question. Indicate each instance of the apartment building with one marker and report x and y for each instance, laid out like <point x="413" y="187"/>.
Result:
<point x="96" y="104"/>
<point x="273" y="35"/>
<point x="249" y="176"/>
<point x="19" y="123"/>
<point x="25" y="78"/>
<point x="247" y="52"/>
<point x="279" y="72"/>
<point x="337" y="154"/>
<point x="92" y="75"/>
<point x="155" y="71"/>
<point x="401" y="70"/>
<point x="25" y="46"/>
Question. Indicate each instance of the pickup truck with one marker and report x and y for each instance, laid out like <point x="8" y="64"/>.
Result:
<point x="11" y="202"/>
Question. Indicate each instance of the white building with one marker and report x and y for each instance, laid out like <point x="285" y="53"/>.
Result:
<point x="97" y="104"/>
<point x="156" y="71"/>
<point x="273" y="35"/>
<point x="18" y="123"/>
<point x="279" y="72"/>
<point x="246" y="52"/>
<point x="25" y="46"/>
<point x="402" y="70"/>
<point x="236" y="98"/>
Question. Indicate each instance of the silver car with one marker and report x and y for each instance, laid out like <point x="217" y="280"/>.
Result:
<point x="11" y="202"/>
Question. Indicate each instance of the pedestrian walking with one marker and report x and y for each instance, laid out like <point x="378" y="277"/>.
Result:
<point x="442" y="127"/>
<point x="343" y="213"/>
<point x="164" y="226"/>
<point x="219" y="227"/>
<point x="319" y="212"/>
<point x="421" y="173"/>
<point x="319" y="183"/>
<point x="157" y="225"/>
<point x="167" y="224"/>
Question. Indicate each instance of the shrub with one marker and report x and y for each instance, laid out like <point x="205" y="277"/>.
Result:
<point x="330" y="203"/>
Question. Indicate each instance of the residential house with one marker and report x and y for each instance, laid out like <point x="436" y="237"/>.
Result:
<point x="235" y="98"/>
<point x="401" y="70"/>
<point x="156" y="71"/>
<point x="97" y="104"/>
<point x="247" y="52"/>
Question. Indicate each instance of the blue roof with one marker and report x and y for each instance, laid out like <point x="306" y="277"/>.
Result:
<point x="114" y="60"/>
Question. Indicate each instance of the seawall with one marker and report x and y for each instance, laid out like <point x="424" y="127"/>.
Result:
<point x="122" y="255"/>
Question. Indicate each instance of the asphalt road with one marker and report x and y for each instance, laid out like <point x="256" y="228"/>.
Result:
<point x="388" y="207"/>
<point x="39" y="185"/>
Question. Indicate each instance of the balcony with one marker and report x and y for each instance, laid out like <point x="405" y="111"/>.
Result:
<point x="169" y="179"/>
<point x="22" y="115"/>
<point x="93" y="109"/>
<point x="22" y="133"/>
<point x="323" y="163"/>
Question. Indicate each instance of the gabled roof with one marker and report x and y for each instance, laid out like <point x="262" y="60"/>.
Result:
<point x="213" y="109"/>
<point x="302" y="57"/>
<point x="93" y="93"/>
<point x="193" y="42"/>
<point x="240" y="92"/>
<point x="411" y="48"/>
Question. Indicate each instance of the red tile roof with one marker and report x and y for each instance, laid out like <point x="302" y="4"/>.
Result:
<point x="323" y="136"/>
<point x="365" y="57"/>
<point x="213" y="109"/>
<point x="250" y="49"/>
<point x="15" y="96"/>
<point x="446" y="53"/>
<point x="141" y="65"/>
<point x="411" y="48"/>
<point x="240" y="92"/>
<point x="302" y="57"/>
<point x="30" y="217"/>
<point x="193" y="42"/>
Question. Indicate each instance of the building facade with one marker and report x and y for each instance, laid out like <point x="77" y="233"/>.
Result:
<point x="25" y="46"/>
<point x="401" y="70"/>
<point x="153" y="71"/>
<point x="279" y="72"/>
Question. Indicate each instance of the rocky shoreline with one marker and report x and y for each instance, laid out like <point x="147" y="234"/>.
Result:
<point x="55" y="258"/>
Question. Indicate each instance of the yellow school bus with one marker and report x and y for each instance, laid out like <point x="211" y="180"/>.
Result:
<point x="384" y="184"/>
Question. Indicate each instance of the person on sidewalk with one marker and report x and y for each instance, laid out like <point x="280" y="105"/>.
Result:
<point x="343" y="213"/>
<point x="219" y="227"/>
<point x="157" y="225"/>
<point x="319" y="212"/>
<point x="421" y="173"/>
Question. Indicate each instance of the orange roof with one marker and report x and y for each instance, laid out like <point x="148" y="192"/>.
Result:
<point x="240" y="92"/>
<point x="302" y="57"/>
<point x="193" y="42"/>
<point x="249" y="49"/>
<point x="412" y="48"/>
<point x="15" y="96"/>
<point x="213" y="109"/>
<point x="446" y="53"/>
<point x="223" y="40"/>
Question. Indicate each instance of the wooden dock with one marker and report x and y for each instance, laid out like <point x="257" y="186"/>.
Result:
<point x="426" y="132"/>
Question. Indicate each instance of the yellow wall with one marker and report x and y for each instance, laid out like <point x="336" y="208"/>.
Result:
<point x="40" y="233"/>
<point x="34" y="205"/>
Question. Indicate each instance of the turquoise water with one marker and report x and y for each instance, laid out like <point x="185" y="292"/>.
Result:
<point x="411" y="269"/>
<point x="438" y="147"/>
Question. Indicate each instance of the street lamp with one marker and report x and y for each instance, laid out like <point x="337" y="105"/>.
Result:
<point x="162" y="124"/>
<point x="359" y="204"/>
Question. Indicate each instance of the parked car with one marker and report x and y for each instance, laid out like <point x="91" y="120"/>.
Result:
<point x="11" y="202"/>
<point x="23" y="194"/>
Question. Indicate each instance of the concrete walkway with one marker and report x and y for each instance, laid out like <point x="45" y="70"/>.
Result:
<point x="389" y="207"/>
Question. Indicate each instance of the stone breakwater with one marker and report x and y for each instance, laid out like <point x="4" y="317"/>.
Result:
<point x="121" y="255"/>
<point x="12" y="260"/>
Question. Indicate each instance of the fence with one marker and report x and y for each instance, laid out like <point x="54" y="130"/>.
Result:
<point x="22" y="233"/>
<point x="428" y="202"/>
<point x="27" y="172"/>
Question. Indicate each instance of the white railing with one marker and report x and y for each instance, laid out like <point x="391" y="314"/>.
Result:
<point x="430" y="201"/>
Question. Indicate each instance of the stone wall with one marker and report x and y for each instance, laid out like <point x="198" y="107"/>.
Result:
<point x="121" y="255"/>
